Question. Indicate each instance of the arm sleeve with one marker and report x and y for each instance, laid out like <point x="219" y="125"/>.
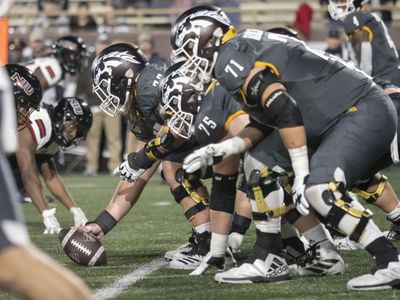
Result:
<point x="366" y="58"/>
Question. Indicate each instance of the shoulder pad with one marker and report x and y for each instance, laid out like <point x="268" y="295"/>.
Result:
<point x="49" y="67"/>
<point x="40" y="127"/>
<point x="354" y="22"/>
<point x="147" y="89"/>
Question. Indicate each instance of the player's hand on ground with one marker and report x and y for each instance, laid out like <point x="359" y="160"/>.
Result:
<point x="94" y="229"/>
<point x="207" y="262"/>
<point x="50" y="221"/>
<point x="126" y="172"/>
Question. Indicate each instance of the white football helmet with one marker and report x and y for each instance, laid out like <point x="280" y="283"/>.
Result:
<point x="180" y="100"/>
<point x="339" y="9"/>
<point x="197" y="36"/>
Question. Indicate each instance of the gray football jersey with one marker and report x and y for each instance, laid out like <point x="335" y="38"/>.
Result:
<point x="217" y="110"/>
<point x="385" y="59"/>
<point x="323" y="86"/>
<point x="147" y="100"/>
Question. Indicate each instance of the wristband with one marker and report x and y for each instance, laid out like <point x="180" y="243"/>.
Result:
<point x="105" y="221"/>
<point x="299" y="158"/>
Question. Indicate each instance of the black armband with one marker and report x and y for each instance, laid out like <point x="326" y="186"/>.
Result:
<point x="283" y="110"/>
<point x="257" y="85"/>
<point x="139" y="160"/>
<point x="266" y="130"/>
<point x="105" y="221"/>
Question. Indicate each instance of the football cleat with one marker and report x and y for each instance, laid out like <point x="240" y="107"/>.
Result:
<point x="381" y="279"/>
<point x="273" y="269"/>
<point x="181" y="250"/>
<point x="294" y="249"/>
<point x="319" y="261"/>
<point x="191" y="260"/>
<point x="394" y="233"/>
<point x="344" y="243"/>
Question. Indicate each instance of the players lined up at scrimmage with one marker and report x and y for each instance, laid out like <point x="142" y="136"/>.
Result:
<point x="329" y="179"/>
<point x="265" y="95"/>
<point x="18" y="257"/>
<point x="49" y="128"/>
<point x="265" y="71"/>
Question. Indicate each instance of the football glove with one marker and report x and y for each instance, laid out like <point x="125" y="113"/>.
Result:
<point x="127" y="173"/>
<point x="218" y="262"/>
<point x="79" y="216"/>
<point x="50" y="221"/>
<point x="203" y="157"/>
<point x="299" y="198"/>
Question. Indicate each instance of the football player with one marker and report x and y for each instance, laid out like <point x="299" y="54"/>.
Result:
<point x="46" y="130"/>
<point x="18" y="257"/>
<point x="211" y="116"/>
<point x="68" y="56"/>
<point x="125" y="82"/>
<point x="295" y="89"/>
<point x="377" y="56"/>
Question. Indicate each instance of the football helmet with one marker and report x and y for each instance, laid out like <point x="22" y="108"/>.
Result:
<point x="27" y="92"/>
<point x="180" y="100"/>
<point x="114" y="74"/>
<point x="67" y="110"/>
<point x="197" y="36"/>
<point x="339" y="9"/>
<point x="71" y="52"/>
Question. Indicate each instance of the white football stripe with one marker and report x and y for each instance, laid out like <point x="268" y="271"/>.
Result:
<point x="124" y="282"/>
<point x="68" y="236"/>
<point x="96" y="256"/>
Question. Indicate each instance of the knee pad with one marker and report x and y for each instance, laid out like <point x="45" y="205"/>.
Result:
<point x="223" y="193"/>
<point x="292" y="216"/>
<point x="188" y="189"/>
<point x="334" y="209"/>
<point x="240" y="224"/>
<point x="361" y="189"/>
<point x="267" y="196"/>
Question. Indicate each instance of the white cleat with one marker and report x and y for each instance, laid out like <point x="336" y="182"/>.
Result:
<point x="344" y="243"/>
<point x="319" y="261"/>
<point x="273" y="269"/>
<point x="178" y="252"/>
<point x="189" y="261"/>
<point x="382" y="279"/>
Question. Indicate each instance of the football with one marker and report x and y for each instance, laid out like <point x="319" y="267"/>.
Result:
<point x="82" y="247"/>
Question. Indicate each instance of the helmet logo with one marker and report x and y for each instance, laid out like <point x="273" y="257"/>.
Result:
<point x="76" y="107"/>
<point x="21" y="81"/>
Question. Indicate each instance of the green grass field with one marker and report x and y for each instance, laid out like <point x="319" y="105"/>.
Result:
<point x="156" y="225"/>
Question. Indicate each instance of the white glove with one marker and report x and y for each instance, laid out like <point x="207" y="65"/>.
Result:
<point x="79" y="216"/>
<point x="50" y="221"/>
<point x="127" y="173"/>
<point x="211" y="261"/>
<point x="299" y="198"/>
<point x="213" y="154"/>
<point x="235" y="240"/>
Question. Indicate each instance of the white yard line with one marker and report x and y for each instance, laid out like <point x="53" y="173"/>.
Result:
<point x="124" y="282"/>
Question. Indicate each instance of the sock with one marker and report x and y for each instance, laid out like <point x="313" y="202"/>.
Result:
<point x="318" y="234"/>
<point x="218" y="244"/>
<point x="202" y="228"/>
<point x="394" y="215"/>
<point x="383" y="251"/>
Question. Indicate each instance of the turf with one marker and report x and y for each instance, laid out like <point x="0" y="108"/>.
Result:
<point x="155" y="225"/>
